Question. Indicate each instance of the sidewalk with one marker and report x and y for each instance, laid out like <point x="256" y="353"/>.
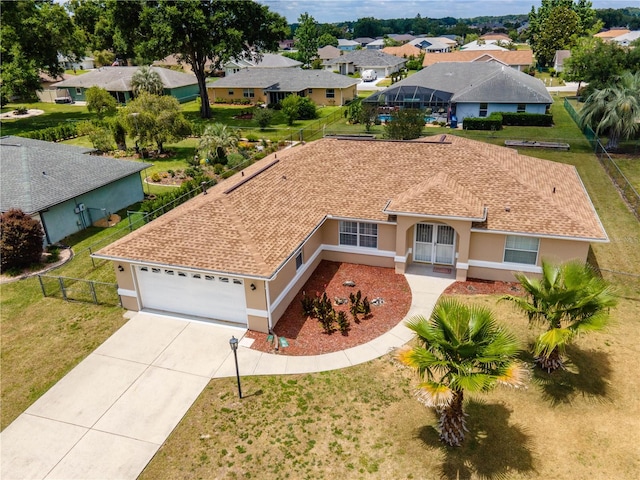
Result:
<point x="108" y="416"/>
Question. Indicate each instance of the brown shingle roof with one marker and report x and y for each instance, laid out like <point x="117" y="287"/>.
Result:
<point x="614" y="32"/>
<point x="255" y="227"/>
<point x="404" y="51"/>
<point x="510" y="57"/>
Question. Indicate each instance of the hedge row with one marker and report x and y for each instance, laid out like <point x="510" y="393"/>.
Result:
<point x="492" y="122"/>
<point x="54" y="134"/>
<point x="168" y="201"/>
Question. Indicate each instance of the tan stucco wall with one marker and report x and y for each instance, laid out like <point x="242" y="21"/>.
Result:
<point x="259" y="324"/>
<point x="492" y="274"/>
<point x="562" y="250"/>
<point x="330" y="235"/>
<point x="362" y="259"/>
<point x="238" y="93"/>
<point x="256" y="299"/>
<point x="125" y="278"/>
<point x="487" y="247"/>
<point x="317" y="95"/>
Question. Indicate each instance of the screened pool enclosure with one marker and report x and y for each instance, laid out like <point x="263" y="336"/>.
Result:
<point x="412" y="96"/>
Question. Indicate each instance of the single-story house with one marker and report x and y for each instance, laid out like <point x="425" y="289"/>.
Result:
<point x="626" y="39"/>
<point x="467" y="90"/>
<point x="377" y="44"/>
<point x="401" y="37"/>
<point x="363" y="41"/>
<point x="117" y="81"/>
<point x="496" y="37"/>
<point x="347" y="45"/>
<point x="432" y="44"/>
<point x="172" y="61"/>
<point x="241" y="252"/>
<point x="405" y="51"/>
<point x="483" y="46"/>
<point x="607" y="35"/>
<point x="519" y="59"/>
<point x="271" y="85"/>
<point x="85" y="63"/>
<point x="64" y="187"/>
<point x="266" y="60"/>
<point x="361" y="60"/>
<point x="328" y="52"/>
<point x="559" y="58"/>
<point x="286" y="44"/>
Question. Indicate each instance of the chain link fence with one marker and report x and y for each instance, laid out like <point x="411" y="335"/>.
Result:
<point x="79" y="290"/>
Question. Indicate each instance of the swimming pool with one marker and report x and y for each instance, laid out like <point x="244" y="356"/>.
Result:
<point x="384" y="117"/>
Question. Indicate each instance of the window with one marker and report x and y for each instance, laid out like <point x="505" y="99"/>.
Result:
<point x="299" y="260"/>
<point x="483" y="109"/>
<point x="359" y="234"/>
<point x="522" y="108"/>
<point x="248" y="93"/>
<point x="230" y="92"/>
<point x="310" y="91"/>
<point x="78" y="91"/>
<point x="331" y="93"/>
<point x="196" y="275"/>
<point x="521" y="250"/>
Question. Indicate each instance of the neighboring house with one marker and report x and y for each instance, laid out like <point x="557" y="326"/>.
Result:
<point x="242" y="252"/>
<point x="405" y="51"/>
<point x="361" y="60"/>
<point x="363" y="41"/>
<point x="117" y="81"/>
<point x="483" y="46"/>
<point x="520" y="60"/>
<point x="402" y="37"/>
<point x="64" y="187"/>
<point x="85" y="63"/>
<point x="328" y="52"/>
<point x="347" y="45"/>
<point x="467" y="90"/>
<point x="627" y="39"/>
<point x="496" y="37"/>
<point x="266" y="60"/>
<point x="286" y="44"/>
<point x="271" y="85"/>
<point x="172" y="62"/>
<point x="432" y="44"/>
<point x="559" y="58"/>
<point x="375" y="45"/>
<point x="611" y="34"/>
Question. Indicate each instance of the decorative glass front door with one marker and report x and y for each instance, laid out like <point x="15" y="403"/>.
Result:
<point x="434" y="243"/>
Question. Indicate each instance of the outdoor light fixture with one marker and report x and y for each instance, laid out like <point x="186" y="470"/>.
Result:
<point x="120" y="268"/>
<point x="204" y="187"/>
<point x="252" y="286"/>
<point x="234" y="346"/>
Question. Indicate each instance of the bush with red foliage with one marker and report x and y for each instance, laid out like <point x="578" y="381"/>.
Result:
<point x="21" y="240"/>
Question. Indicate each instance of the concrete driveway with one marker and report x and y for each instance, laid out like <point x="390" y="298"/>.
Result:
<point x="108" y="416"/>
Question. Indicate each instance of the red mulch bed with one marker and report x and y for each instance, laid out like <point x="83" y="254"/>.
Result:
<point x="306" y="336"/>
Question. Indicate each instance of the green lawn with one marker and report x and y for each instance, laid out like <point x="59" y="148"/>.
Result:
<point x="631" y="170"/>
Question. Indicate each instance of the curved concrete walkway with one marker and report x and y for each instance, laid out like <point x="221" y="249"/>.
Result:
<point x="108" y="416"/>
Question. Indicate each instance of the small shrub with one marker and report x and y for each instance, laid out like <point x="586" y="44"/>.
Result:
<point x="156" y="177"/>
<point x="21" y="110"/>
<point x="252" y="138"/>
<point x="527" y="119"/>
<point x="343" y="322"/>
<point x="493" y="122"/>
<point x="307" y="306"/>
<point x="20" y="240"/>
<point x="218" y="168"/>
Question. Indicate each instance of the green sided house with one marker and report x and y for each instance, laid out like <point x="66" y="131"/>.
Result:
<point x="241" y="252"/>
<point x="271" y="85"/>
<point x="117" y="81"/>
<point x="64" y="187"/>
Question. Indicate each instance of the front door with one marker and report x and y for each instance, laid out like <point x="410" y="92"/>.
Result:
<point x="434" y="243"/>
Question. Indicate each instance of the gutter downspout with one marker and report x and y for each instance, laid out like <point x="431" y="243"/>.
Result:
<point x="266" y="289"/>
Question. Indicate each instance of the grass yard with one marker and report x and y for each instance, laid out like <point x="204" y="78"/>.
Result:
<point x="631" y="169"/>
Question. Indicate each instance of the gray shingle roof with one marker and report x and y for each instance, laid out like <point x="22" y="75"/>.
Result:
<point x="284" y="79"/>
<point x="368" y="58"/>
<point x="479" y="82"/>
<point x="118" y="79"/>
<point x="37" y="175"/>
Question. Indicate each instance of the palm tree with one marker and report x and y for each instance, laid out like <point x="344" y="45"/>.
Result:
<point x="569" y="298"/>
<point x="145" y="79"/>
<point x="615" y="110"/>
<point x="460" y="348"/>
<point x="216" y="140"/>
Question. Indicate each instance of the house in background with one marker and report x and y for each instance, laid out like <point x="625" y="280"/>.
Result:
<point x="405" y="51"/>
<point x="488" y="45"/>
<point x="286" y="44"/>
<point x="559" y="58"/>
<point x="361" y="60"/>
<point x="85" y="63"/>
<point x="467" y="90"/>
<point x="363" y="41"/>
<point x="467" y="207"/>
<point x="612" y="33"/>
<point x="347" y="45"/>
<point x="271" y="85"/>
<point x="520" y="60"/>
<point x="266" y="60"/>
<point x="117" y="81"/>
<point x="626" y="39"/>
<point x="433" y="44"/>
<point x="64" y="187"/>
<point x="328" y="52"/>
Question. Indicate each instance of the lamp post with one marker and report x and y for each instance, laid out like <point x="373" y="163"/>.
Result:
<point x="234" y="346"/>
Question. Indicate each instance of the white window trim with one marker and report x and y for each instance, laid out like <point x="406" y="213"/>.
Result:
<point x="358" y="235"/>
<point x="504" y="252"/>
<point x="333" y="93"/>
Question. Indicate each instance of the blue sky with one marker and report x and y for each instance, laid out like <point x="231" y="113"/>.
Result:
<point x="329" y="11"/>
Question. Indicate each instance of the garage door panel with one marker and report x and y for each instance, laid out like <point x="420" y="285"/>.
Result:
<point x="208" y="296"/>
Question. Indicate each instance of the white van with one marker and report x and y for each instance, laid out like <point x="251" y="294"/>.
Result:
<point x="369" y="75"/>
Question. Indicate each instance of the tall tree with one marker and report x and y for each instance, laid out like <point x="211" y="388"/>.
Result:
<point x="595" y="62"/>
<point x="145" y="79"/>
<point x="32" y="33"/>
<point x="198" y="31"/>
<point x="21" y="240"/>
<point x="615" y="109"/>
<point x="460" y="348"/>
<point x="153" y="118"/>
<point x="327" y="39"/>
<point x="568" y="299"/>
<point x="307" y="39"/>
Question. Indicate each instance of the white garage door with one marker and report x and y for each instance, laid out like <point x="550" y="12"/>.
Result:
<point x="189" y="293"/>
